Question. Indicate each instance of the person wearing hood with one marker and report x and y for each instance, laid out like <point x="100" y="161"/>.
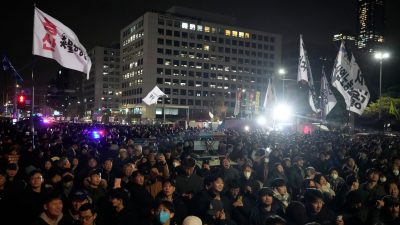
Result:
<point x="249" y="185"/>
<point x="277" y="171"/>
<point x="228" y="172"/>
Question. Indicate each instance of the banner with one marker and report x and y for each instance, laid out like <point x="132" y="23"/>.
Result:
<point x="349" y="81"/>
<point x="257" y="103"/>
<point x="52" y="39"/>
<point x="304" y="75"/>
<point x="153" y="95"/>
<point x="328" y="100"/>
<point x="270" y="97"/>
<point x="237" y="104"/>
<point x="302" y="70"/>
<point x="8" y="67"/>
<point x="250" y="103"/>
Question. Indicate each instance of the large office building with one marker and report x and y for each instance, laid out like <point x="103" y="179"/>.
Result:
<point x="101" y="91"/>
<point x="370" y="26"/>
<point x="200" y="60"/>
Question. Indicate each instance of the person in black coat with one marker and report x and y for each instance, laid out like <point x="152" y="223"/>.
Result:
<point x="52" y="212"/>
<point x="296" y="176"/>
<point x="123" y="214"/>
<point x="140" y="198"/>
<point x="213" y="207"/>
<point x="266" y="206"/>
<point x="241" y="205"/>
<point x="296" y="214"/>
<point x="316" y="209"/>
<point x="168" y="194"/>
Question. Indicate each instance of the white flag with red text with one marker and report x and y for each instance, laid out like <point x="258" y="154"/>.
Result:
<point x="52" y="39"/>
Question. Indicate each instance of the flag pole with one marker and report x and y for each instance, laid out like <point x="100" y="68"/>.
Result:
<point x="33" y="87"/>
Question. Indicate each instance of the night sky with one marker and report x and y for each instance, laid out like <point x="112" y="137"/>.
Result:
<point x="98" y="22"/>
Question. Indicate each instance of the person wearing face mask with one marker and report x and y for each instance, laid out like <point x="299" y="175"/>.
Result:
<point x="164" y="213"/>
<point x="334" y="179"/>
<point x="394" y="174"/>
<point x="249" y="185"/>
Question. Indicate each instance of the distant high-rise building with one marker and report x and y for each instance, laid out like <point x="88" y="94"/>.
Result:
<point x="199" y="64"/>
<point x="370" y="26"/>
<point x="349" y="39"/>
<point x="101" y="91"/>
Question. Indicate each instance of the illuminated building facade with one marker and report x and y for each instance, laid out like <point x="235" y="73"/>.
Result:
<point x="101" y="91"/>
<point x="370" y="24"/>
<point x="199" y="64"/>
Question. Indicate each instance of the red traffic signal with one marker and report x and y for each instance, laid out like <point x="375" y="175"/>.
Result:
<point x="21" y="98"/>
<point x="21" y="102"/>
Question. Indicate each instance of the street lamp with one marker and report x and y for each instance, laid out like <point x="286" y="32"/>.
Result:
<point x="380" y="56"/>
<point x="282" y="72"/>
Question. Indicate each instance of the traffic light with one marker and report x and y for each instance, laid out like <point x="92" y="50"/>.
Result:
<point x="21" y="102"/>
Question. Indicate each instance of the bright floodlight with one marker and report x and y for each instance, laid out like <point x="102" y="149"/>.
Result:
<point x="282" y="71"/>
<point x="282" y="112"/>
<point x="381" y="55"/>
<point x="261" y="120"/>
<point x="246" y="128"/>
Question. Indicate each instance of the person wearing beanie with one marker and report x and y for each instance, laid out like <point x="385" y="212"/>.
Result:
<point x="192" y="220"/>
<point x="280" y="192"/>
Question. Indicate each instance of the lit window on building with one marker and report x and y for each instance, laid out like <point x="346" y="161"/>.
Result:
<point x="207" y="29"/>
<point x="185" y="25"/>
<point x="199" y="28"/>
<point x="228" y="32"/>
<point x="246" y="35"/>
<point x="192" y="26"/>
<point x="213" y="30"/>
<point x="234" y="33"/>
<point x="206" y="48"/>
<point x="241" y="34"/>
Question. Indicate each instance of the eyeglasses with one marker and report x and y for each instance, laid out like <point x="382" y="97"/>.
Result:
<point x="85" y="218"/>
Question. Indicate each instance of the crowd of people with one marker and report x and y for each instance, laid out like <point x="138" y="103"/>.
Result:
<point x="69" y="176"/>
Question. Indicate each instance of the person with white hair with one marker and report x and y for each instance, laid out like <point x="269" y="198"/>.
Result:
<point x="192" y="220"/>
